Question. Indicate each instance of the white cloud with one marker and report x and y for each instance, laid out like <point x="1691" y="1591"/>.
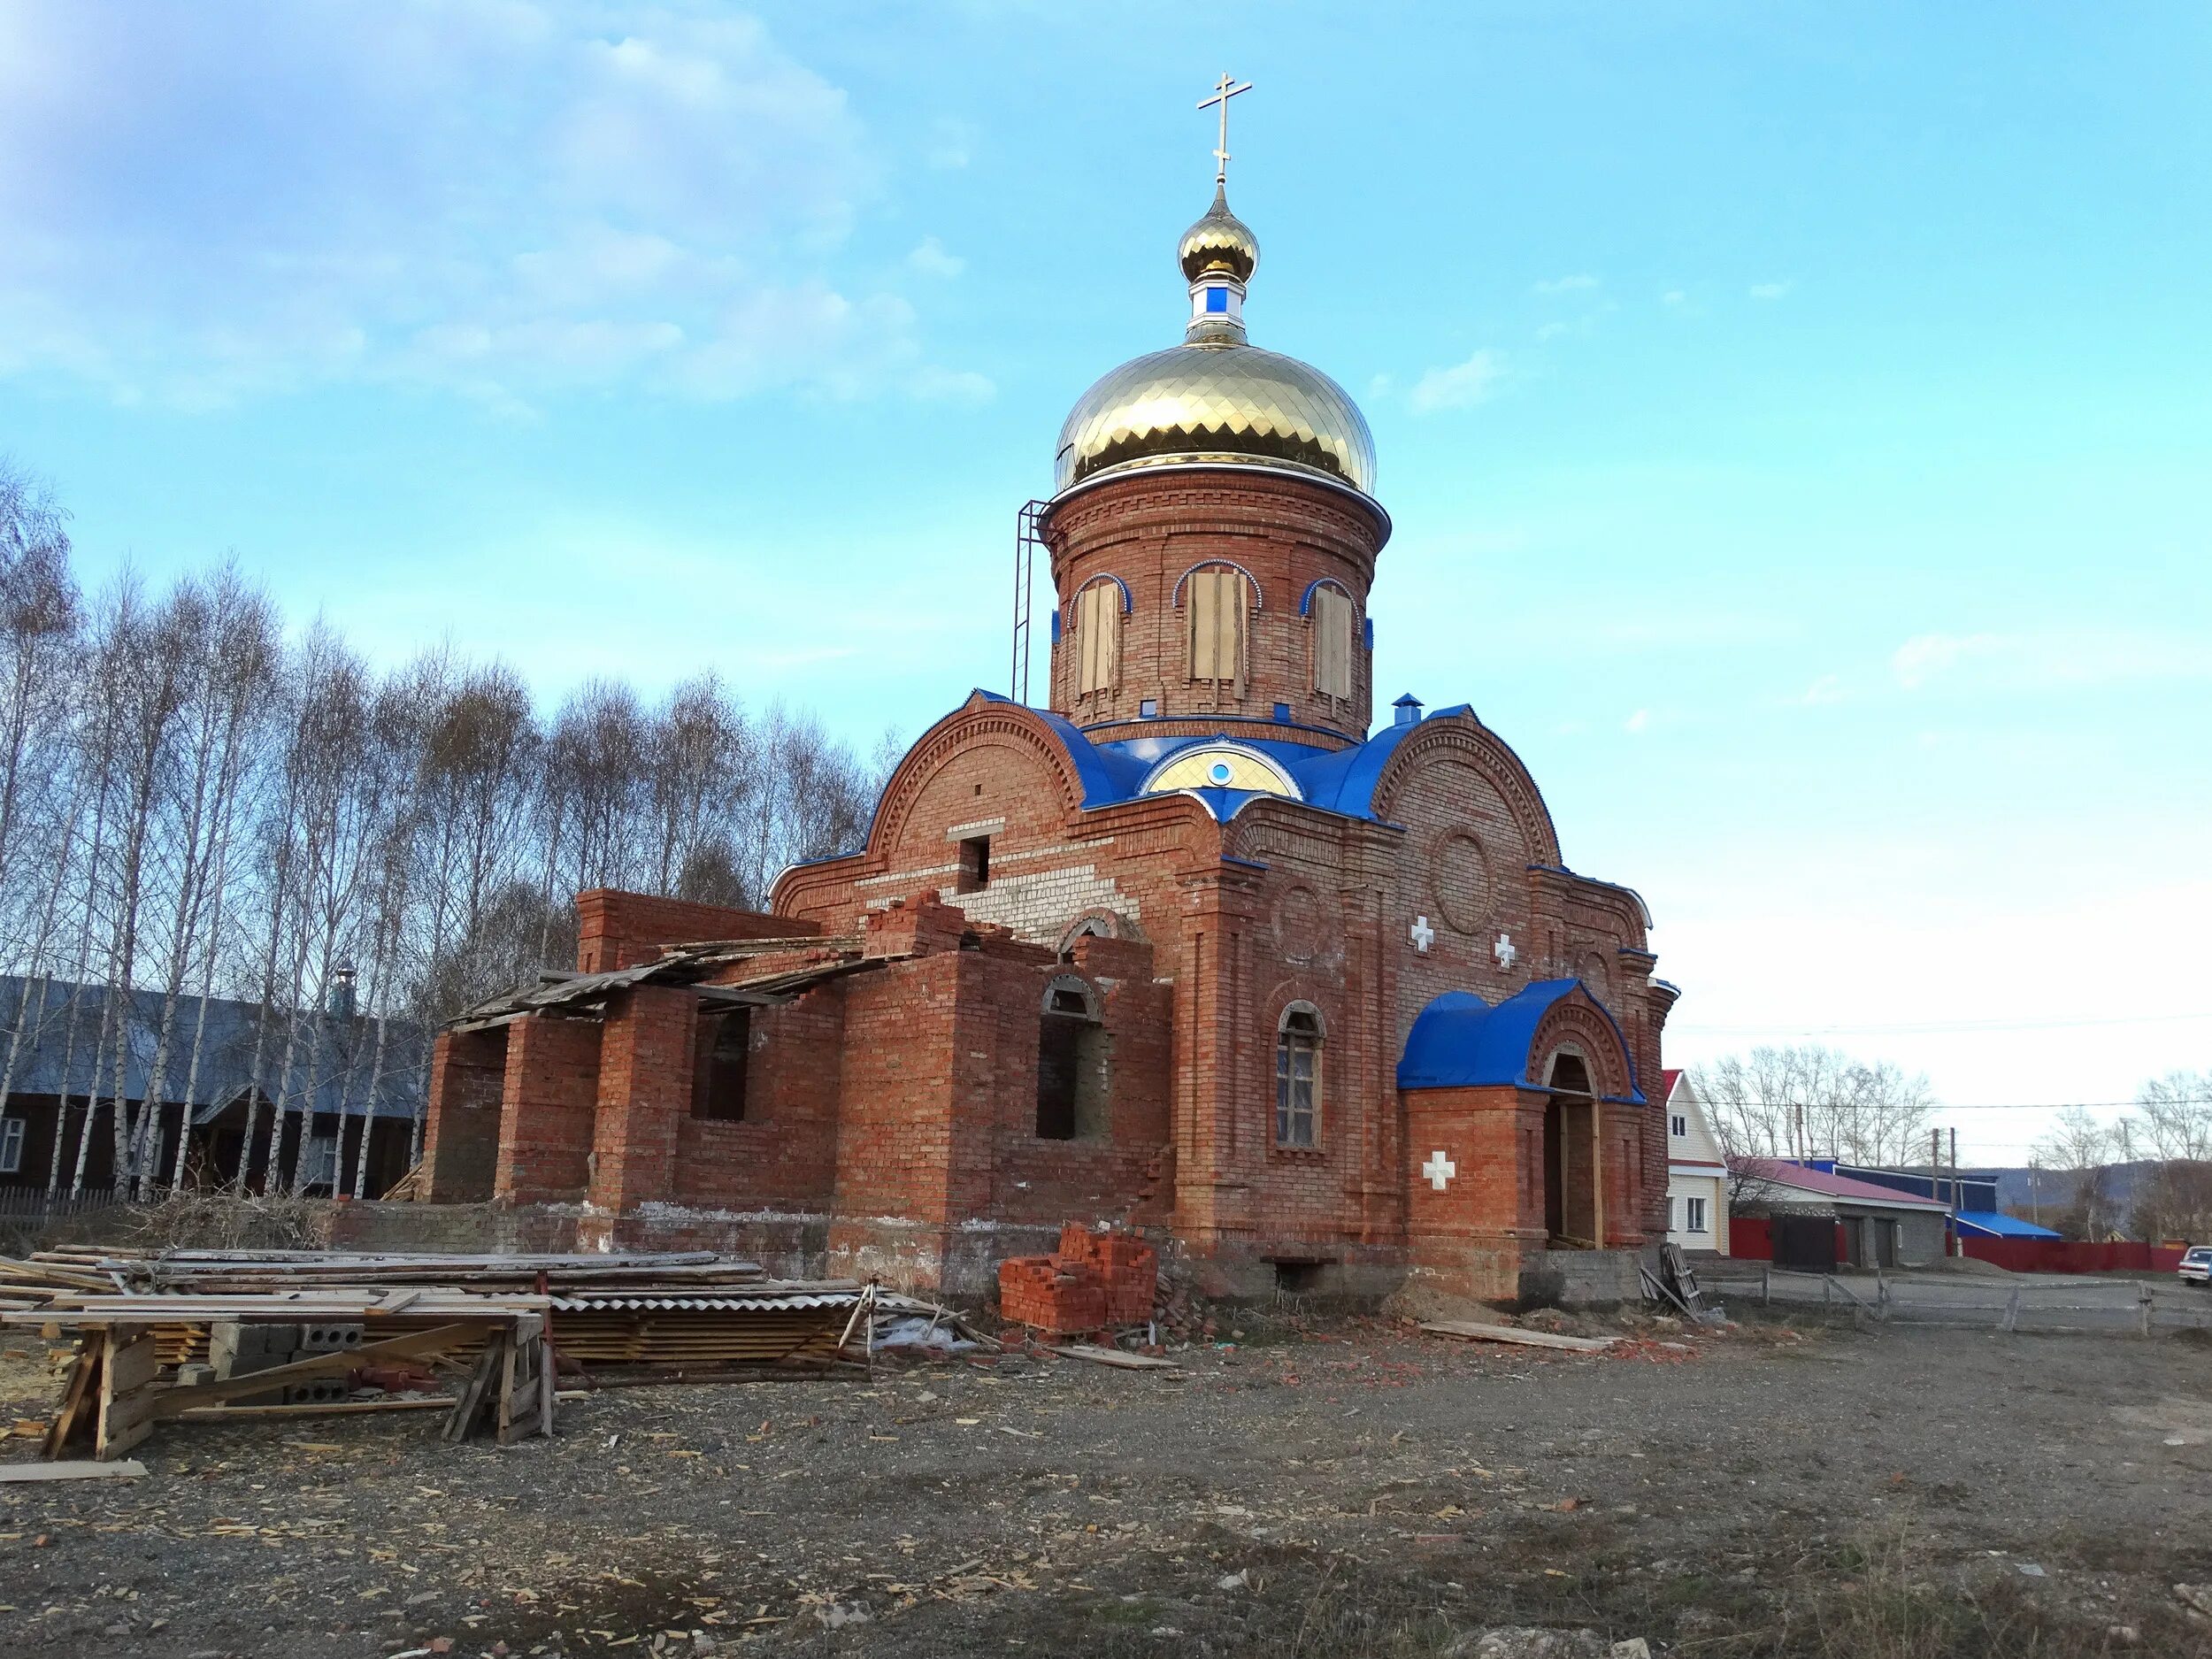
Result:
<point x="1927" y="655"/>
<point x="951" y="144"/>
<point x="1460" y="386"/>
<point x="1770" y="290"/>
<point x="1576" y="284"/>
<point x="1378" y="388"/>
<point x="1827" y="690"/>
<point x="1640" y="721"/>
<point x="931" y="258"/>
<point x="1674" y="296"/>
<point x="2049" y="661"/>
<point x="497" y="197"/>
<point x="1550" y="331"/>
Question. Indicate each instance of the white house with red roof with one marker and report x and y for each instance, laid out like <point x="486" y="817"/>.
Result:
<point x="1697" y="1172"/>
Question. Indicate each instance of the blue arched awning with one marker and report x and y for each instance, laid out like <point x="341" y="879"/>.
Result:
<point x="1461" y="1041"/>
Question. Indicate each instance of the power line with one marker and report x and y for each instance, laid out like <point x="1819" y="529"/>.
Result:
<point x="1930" y="1027"/>
<point x="1942" y="1106"/>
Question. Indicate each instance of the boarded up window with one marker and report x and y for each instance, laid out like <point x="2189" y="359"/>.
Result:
<point x="1214" y="603"/>
<point x="1333" y="627"/>
<point x="1098" y="638"/>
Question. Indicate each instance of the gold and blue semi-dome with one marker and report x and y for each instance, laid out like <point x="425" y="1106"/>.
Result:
<point x="1215" y="398"/>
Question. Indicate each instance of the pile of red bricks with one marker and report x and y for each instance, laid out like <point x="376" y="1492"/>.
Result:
<point x="1092" y="1281"/>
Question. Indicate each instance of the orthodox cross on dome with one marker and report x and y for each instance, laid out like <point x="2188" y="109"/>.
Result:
<point x="1226" y="89"/>
<point x="1504" y="951"/>
<point x="1440" y="1169"/>
<point x="1422" y="934"/>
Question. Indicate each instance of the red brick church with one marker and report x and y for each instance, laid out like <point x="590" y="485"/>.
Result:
<point x="1190" y="949"/>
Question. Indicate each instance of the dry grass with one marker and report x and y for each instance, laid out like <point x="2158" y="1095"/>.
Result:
<point x="223" y="1221"/>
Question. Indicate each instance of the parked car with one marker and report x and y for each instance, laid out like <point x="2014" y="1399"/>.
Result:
<point x="2196" y="1265"/>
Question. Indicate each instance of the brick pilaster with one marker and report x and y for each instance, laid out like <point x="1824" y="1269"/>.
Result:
<point x="645" y="1058"/>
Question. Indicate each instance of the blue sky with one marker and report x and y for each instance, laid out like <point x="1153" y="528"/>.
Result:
<point x="1797" y="419"/>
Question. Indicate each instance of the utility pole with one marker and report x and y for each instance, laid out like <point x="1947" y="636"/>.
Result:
<point x="1958" y="1244"/>
<point x="2035" y="1211"/>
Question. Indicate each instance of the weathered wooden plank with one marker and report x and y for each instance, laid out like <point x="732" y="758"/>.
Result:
<point x="1116" y="1357"/>
<point x="125" y="1468"/>
<point x="1474" y="1333"/>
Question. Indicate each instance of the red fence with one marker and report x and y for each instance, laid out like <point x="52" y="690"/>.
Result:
<point x="2065" y="1255"/>
<point x="1752" y="1237"/>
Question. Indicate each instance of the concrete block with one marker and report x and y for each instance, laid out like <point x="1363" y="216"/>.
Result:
<point x="328" y="1338"/>
<point x="236" y="1348"/>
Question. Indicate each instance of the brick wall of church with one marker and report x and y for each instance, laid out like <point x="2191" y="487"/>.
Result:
<point x="782" y="1153"/>
<point x="1147" y="528"/>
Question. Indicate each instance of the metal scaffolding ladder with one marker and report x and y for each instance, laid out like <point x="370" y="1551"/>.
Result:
<point x="1026" y="542"/>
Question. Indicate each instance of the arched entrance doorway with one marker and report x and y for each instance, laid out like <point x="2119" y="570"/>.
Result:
<point x="1571" y="1167"/>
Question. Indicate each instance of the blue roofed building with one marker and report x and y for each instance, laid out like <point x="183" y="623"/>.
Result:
<point x="322" y="1092"/>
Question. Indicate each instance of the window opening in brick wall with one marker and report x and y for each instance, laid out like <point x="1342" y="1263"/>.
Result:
<point x="1297" y="1076"/>
<point x="11" y="1132"/>
<point x="1298" y="1278"/>
<point x="975" y="865"/>
<point x="1073" y="1061"/>
<point x="717" y="1072"/>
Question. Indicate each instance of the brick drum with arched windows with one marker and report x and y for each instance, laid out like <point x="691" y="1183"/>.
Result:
<point x="1194" y="948"/>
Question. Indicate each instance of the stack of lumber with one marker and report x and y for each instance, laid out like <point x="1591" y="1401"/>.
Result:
<point x="507" y="1323"/>
<point x="228" y="1270"/>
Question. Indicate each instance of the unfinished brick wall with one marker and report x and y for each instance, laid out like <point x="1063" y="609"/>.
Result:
<point x="615" y="929"/>
<point x="782" y="1156"/>
<point x="550" y="1096"/>
<point x="460" y="1146"/>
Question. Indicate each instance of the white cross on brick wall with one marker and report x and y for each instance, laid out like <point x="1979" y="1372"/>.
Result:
<point x="1440" y="1169"/>
<point x="1505" y="952"/>
<point x="1422" y="934"/>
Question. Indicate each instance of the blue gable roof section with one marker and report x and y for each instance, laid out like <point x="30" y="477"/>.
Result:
<point x="1460" y="1042"/>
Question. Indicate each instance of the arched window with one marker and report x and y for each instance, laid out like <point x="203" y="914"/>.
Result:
<point x="1098" y="609"/>
<point x="1332" y="620"/>
<point x="1298" y="1076"/>
<point x="1214" y="605"/>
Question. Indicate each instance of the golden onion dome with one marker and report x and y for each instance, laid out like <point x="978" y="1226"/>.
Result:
<point x="1218" y="402"/>
<point x="1215" y="398"/>
<point x="1220" y="242"/>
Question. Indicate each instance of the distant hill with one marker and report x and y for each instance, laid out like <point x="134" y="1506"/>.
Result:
<point x="2017" y="1187"/>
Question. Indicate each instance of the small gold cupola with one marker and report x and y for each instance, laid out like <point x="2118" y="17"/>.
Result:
<point x="1218" y="255"/>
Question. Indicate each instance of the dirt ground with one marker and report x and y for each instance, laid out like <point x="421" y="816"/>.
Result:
<point x="1343" y="1487"/>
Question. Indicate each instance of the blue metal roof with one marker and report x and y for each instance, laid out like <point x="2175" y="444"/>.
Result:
<point x="68" y="1038"/>
<point x="1461" y="1041"/>
<point x="1991" y="1224"/>
<point x="1334" y="780"/>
